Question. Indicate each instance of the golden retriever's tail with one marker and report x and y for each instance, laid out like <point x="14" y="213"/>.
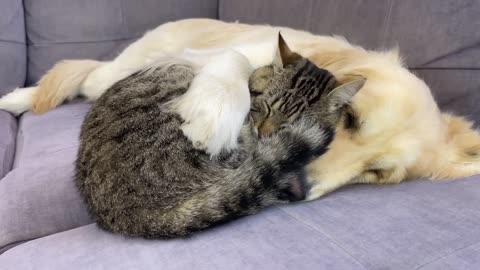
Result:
<point x="61" y="82"/>
<point x="462" y="156"/>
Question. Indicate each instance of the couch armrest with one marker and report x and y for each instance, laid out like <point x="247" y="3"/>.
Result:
<point x="8" y="132"/>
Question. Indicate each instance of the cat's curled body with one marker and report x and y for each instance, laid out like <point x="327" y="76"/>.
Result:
<point x="141" y="176"/>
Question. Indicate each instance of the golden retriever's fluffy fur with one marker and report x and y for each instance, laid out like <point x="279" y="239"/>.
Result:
<point x="399" y="134"/>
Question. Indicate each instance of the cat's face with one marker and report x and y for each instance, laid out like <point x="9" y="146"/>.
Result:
<point x="293" y="85"/>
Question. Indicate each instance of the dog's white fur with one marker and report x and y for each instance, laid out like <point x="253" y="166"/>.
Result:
<point x="402" y="133"/>
<point x="217" y="101"/>
<point x="19" y="100"/>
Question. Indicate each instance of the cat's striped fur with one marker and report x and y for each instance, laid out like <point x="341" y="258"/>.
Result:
<point x="303" y="89"/>
<point x="141" y="176"/>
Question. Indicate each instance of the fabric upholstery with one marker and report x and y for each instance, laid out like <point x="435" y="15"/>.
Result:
<point x="266" y="243"/>
<point x="8" y="131"/>
<point x="12" y="46"/>
<point x="362" y="23"/>
<point x="44" y="223"/>
<point x="39" y="201"/>
<point x="406" y="226"/>
<point x="455" y="90"/>
<point x="39" y="195"/>
<point x="50" y="139"/>
<point x="420" y="29"/>
<point x="96" y="29"/>
<point x="437" y="37"/>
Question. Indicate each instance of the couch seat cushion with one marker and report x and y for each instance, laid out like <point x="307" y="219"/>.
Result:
<point x="413" y="225"/>
<point x="39" y="196"/>
<point x="51" y="138"/>
<point x="271" y="240"/>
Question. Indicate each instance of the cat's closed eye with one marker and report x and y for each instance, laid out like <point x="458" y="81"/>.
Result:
<point x="260" y="111"/>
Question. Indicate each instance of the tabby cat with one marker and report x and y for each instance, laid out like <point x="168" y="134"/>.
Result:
<point x="141" y="176"/>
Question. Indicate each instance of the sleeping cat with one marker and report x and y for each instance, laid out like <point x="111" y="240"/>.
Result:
<point x="141" y="176"/>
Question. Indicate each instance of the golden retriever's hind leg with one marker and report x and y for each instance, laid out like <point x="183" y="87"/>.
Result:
<point x="461" y="152"/>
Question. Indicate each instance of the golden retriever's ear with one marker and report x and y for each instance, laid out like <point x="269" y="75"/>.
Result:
<point x="284" y="54"/>
<point x="350" y="77"/>
<point x="344" y="93"/>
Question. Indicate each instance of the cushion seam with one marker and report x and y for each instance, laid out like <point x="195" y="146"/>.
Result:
<point x="40" y="237"/>
<point x="444" y="68"/>
<point x="46" y="43"/>
<point x="12" y="41"/>
<point x="386" y="24"/>
<point x="324" y="234"/>
<point x="446" y="255"/>
<point x="14" y="244"/>
<point x="6" y="168"/>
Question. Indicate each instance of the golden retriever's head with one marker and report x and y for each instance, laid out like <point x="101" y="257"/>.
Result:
<point x="393" y="125"/>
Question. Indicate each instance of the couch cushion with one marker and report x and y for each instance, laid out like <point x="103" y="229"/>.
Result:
<point x="50" y="139"/>
<point x="271" y="240"/>
<point x="39" y="201"/>
<point x="466" y="258"/>
<point x="8" y="131"/>
<point x="12" y="46"/>
<point x="39" y="196"/>
<point x="438" y="37"/>
<point x="359" y="22"/>
<point x="404" y="226"/>
<point x="430" y="33"/>
<point x="407" y="226"/>
<point x="455" y="90"/>
<point x="96" y="29"/>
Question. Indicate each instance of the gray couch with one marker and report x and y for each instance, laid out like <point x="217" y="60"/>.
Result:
<point x="415" y="225"/>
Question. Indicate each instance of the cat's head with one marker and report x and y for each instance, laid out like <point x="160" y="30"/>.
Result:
<point x="293" y="85"/>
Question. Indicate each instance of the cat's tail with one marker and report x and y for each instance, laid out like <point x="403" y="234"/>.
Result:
<point x="244" y="194"/>
<point x="61" y="82"/>
<point x="460" y="155"/>
<point x="274" y="173"/>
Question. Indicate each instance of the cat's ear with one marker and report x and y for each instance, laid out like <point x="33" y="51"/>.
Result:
<point x="284" y="54"/>
<point x="344" y="93"/>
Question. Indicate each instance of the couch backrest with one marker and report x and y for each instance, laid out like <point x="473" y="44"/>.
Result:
<point x="13" y="58"/>
<point x="439" y="39"/>
<point x="96" y="29"/>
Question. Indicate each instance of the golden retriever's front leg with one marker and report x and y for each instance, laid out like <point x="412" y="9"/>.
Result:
<point x="371" y="176"/>
<point x="320" y="188"/>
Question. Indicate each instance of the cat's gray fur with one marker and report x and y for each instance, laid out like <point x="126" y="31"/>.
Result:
<point x="141" y="176"/>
